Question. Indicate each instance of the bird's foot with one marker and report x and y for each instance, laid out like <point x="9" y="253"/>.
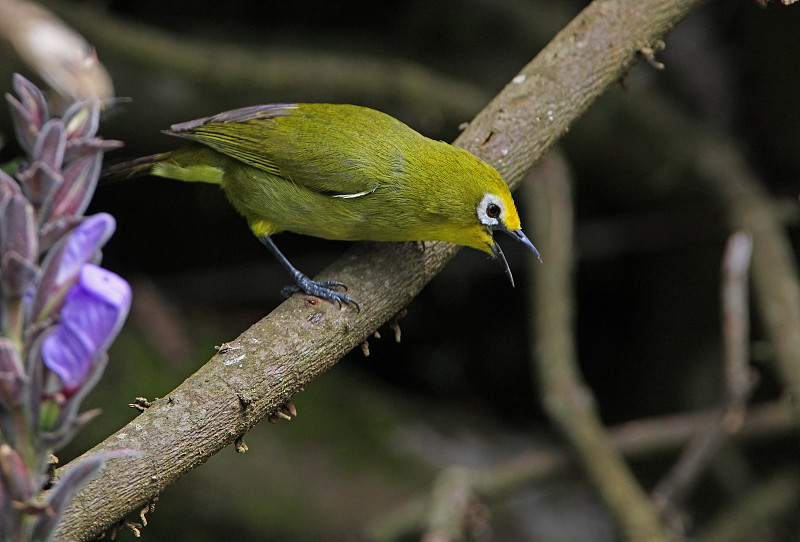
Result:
<point x="321" y="289"/>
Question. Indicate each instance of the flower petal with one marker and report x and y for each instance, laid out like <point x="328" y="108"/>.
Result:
<point x="94" y="310"/>
<point x="65" y="259"/>
<point x="83" y="243"/>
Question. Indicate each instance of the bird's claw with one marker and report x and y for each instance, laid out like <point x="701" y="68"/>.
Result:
<point x="332" y="284"/>
<point x="321" y="289"/>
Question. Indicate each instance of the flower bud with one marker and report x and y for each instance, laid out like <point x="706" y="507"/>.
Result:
<point x="82" y="120"/>
<point x="8" y="187"/>
<point x="43" y="175"/>
<point x="29" y="112"/>
<point x="12" y="375"/>
<point x="14" y="474"/>
<point x="80" y="180"/>
<point x="19" y="246"/>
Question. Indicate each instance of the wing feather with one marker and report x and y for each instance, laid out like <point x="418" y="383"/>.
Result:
<point x="322" y="147"/>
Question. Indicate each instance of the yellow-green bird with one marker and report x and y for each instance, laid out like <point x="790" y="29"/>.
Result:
<point x="339" y="172"/>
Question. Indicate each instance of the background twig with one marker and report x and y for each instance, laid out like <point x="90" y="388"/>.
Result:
<point x="567" y="399"/>
<point x="635" y="440"/>
<point x="748" y="518"/>
<point x="775" y="276"/>
<point x="702" y="448"/>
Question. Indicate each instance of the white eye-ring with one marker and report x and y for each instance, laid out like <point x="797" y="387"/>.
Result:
<point x="490" y="210"/>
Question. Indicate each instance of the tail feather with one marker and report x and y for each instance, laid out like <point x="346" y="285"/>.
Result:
<point x="190" y="163"/>
<point x="132" y="168"/>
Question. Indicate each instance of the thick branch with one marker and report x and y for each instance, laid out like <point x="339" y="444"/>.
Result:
<point x="299" y="340"/>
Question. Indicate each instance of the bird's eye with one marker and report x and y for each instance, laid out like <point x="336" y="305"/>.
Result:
<point x="493" y="210"/>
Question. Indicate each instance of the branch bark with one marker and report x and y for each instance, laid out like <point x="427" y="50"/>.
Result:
<point x="253" y="375"/>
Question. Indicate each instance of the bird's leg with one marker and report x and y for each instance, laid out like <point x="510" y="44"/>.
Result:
<point x="303" y="283"/>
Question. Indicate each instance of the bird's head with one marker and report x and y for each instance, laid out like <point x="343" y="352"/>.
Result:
<point x="471" y="200"/>
<point x="496" y="212"/>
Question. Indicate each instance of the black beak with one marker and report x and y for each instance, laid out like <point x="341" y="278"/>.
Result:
<point x="522" y="238"/>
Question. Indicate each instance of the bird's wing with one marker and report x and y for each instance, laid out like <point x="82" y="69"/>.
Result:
<point x="319" y="146"/>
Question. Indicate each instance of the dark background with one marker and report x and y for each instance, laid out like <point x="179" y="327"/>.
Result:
<point x="458" y="388"/>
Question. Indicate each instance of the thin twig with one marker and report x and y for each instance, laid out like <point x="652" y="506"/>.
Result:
<point x="636" y="440"/>
<point x="736" y="325"/>
<point x="701" y="449"/>
<point x="451" y="508"/>
<point x="775" y="275"/>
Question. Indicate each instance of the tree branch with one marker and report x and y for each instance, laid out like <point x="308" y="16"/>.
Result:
<point x="776" y="279"/>
<point x="637" y="440"/>
<point x="567" y="399"/>
<point x="256" y="373"/>
<point x="703" y="447"/>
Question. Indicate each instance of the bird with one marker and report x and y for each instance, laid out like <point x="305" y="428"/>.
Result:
<point x="340" y="172"/>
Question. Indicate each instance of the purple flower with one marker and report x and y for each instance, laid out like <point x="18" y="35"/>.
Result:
<point x="93" y="313"/>
<point x="65" y="262"/>
<point x="59" y="311"/>
<point x="83" y="244"/>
